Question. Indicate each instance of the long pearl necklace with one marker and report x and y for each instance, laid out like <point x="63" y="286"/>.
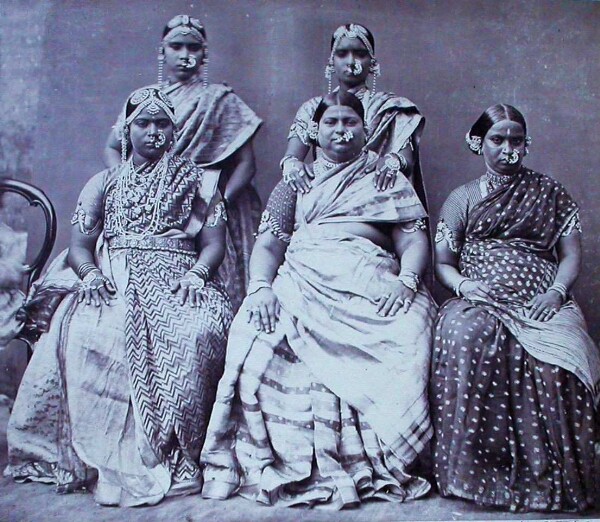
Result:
<point x="122" y="190"/>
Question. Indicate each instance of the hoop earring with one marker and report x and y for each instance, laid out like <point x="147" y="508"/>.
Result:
<point x="173" y="141"/>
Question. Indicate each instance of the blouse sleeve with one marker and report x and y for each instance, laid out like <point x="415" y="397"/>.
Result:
<point x="573" y="225"/>
<point x="302" y="122"/>
<point x="216" y="213"/>
<point x="89" y="213"/>
<point x="278" y="216"/>
<point x="453" y="220"/>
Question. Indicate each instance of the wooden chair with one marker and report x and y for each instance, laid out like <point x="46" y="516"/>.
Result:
<point x="35" y="197"/>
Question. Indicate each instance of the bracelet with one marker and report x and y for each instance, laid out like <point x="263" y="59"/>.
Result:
<point x="395" y="162"/>
<point x="286" y="158"/>
<point x="457" y="287"/>
<point x="200" y="270"/>
<point x="410" y="280"/>
<point x="85" y="268"/>
<point x="561" y="289"/>
<point x="256" y="284"/>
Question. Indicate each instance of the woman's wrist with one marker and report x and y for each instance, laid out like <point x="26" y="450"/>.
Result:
<point x="285" y="160"/>
<point x="201" y="270"/>
<point x="395" y="162"/>
<point x="288" y="164"/>
<point x="257" y="284"/>
<point x="84" y="269"/>
<point x="457" y="287"/>
<point x="560" y="289"/>
<point x="409" y="279"/>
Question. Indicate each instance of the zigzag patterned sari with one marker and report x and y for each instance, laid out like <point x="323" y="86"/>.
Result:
<point x="117" y="398"/>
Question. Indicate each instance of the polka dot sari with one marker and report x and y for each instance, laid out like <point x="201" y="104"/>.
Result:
<point x="510" y="430"/>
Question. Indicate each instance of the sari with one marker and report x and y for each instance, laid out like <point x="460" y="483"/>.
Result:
<point x="213" y="124"/>
<point x="512" y="397"/>
<point x="331" y="408"/>
<point x="117" y="398"/>
<point x="13" y="246"/>
<point x="393" y="123"/>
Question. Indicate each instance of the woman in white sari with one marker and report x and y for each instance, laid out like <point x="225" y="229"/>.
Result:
<point x="323" y="399"/>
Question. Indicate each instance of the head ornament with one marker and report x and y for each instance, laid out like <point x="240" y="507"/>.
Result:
<point x="151" y="99"/>
<point x="183" y="25"/>
<point x="353" y="31"/>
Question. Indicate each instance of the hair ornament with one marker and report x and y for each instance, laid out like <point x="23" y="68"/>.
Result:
<point x="353" y="31"/>
<point x="474" y="143"/>
<point x="183" y="25"/>
<point x="313" y="130"/>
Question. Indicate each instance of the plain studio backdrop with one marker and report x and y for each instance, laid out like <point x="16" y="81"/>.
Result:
<point x="66" y="67"/>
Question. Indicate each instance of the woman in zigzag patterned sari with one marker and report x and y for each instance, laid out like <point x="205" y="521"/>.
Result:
<point x="119" y="391"/>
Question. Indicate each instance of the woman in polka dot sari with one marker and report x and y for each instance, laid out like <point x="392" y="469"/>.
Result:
<point x="515" y="373"/>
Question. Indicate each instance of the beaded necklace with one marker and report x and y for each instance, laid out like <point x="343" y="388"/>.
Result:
<point x="126" y="194"/>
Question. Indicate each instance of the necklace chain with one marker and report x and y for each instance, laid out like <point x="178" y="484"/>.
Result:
<point x="123" y="196"/>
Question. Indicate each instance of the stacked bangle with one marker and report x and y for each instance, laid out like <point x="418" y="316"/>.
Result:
<point x="202" y="271"/>
<point x="561" y="289"/>
<point x="85" y="269"/>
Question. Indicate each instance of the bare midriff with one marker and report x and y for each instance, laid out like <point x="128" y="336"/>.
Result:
<point x="373" y="232"/>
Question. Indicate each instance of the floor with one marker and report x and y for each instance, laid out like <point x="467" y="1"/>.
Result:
<point x="39" y="503"/>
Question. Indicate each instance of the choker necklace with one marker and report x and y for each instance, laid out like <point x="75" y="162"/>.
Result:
<point x="496" y="180"/>
<point x="323" y="164"/>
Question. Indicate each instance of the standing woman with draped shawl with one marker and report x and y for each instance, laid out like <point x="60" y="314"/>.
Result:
<point x="515" y="373"/>
<point x="324" y="395"/>
<point x="216" y="129"/>
<point x="394" y="124"/>
<point x="118" y="393"/>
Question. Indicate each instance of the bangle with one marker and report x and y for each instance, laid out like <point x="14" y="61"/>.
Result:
<point x="200" y="270"/>
<point x="460" y="283"/>
<point x="396" y="162"/>
<point x="256" y="284"/>
<point x="286" y="158"/>
<point x="410" y="280"/>
<point x="85" y="268"/>
<point x="561" y="289"/>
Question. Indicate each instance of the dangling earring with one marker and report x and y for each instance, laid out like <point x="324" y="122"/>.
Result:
<point x="161" y="63"/>
<point x="375" y="70"/>
<point x="527" y="143"/>
<point x="124" y="143"/>
<point x="173" y="140"/>
<point x="205" y="68"/>
<point x="329" y="70"/>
